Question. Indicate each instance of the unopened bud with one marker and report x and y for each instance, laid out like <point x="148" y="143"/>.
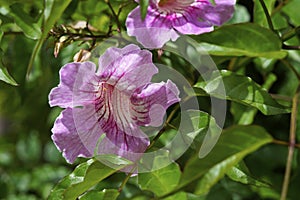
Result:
<point x="82" y="55"/>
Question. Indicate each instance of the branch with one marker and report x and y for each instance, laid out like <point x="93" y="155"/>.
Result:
<point x="287" y="47"/>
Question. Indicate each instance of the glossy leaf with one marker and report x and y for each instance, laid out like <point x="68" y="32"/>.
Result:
<point x="144" y="7"/>
<point x="244" y="39"/>
<point x="160" y="181"/>
<point x="238" y="173"/>
<point x="110" y="194"/>
<point x="198" y="130"/>
<point x="234" y="144"/>
<point x="81" y="179"/>
<point x="244" y="115"/>
<point x="242" y="90"/>
<point x="25" y="22"/>
<point x="6" y="77"/>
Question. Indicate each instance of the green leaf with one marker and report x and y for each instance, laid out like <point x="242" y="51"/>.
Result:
<point x="292" y="11"/>
<point x="240" y="89"/>
<point x="233" y="40"/>
<point x="160" y="181"/>
<point x="179" y="196"/>
<point x="239" y="173"/>
<point x="240" y="15"/>
<point x="113" y="160"/>
<point x="144" y="7"/>
<point x="110" y="194"/>
<point x="25" y="22"/>
<point x="4" y="76"/>
<point x="52" y="12"/>
<point x="198" y="130"/>
<point x="81" y="179"/>
<point x="234" y="144"/>
<point x="244" y="115"/>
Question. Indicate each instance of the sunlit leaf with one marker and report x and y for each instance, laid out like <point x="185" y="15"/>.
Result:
<point x="160" y="181"/>
<point x="238" y="173"/>
<point x="25" y="22"/>
<point x="244" y="39"/>
<point x="109" y="194"/>
<point x="6" y="77"/>
<point x="243" y="114"/>
<point x="242" y="90"/>
<point x="81" y="179"/>
<point x="197" y="129"/>
<point x="233" y="145"/>
<point x="113" y="160"/>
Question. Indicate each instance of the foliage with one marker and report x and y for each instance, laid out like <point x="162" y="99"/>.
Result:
<point x="256" y="155"/>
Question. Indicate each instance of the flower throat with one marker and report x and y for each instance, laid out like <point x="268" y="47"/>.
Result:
<point x="177" y="6"/>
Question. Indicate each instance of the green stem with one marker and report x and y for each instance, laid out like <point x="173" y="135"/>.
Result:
<point x="270" y="23"/>
<point x="36" y="50"/>
<point x="292" y="143"/>
<point x="126" y="179"/>
<point x="284" y="143"/>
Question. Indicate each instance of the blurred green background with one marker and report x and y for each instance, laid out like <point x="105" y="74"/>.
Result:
<point x="30" y="164"/>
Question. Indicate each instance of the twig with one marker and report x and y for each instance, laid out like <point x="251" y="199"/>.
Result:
<point x="288" y="47"/>
<point x="280" y="142"/>
<point x="114" y="15"/>
<point x="292" y="143"/>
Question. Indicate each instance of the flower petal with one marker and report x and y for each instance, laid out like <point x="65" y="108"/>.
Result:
<point x="189" y="23"/>
<point x="152" y="32"/>
<point x="123" y="137"/>
<point x="151" y="102"/>
<point x="126" y="69"/>
<point x="219" y="13"/>
<point x="124" y="144"/>
<point x="75" y="86"/>
<point x="74" y="142"/>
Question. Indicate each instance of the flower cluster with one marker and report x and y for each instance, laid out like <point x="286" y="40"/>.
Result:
<point x="166" y="19"/>
<point x="114" y="101"/>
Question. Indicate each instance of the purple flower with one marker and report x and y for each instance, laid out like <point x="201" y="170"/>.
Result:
<point x="114" y="101"/>
<point x="165" y="19"/>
